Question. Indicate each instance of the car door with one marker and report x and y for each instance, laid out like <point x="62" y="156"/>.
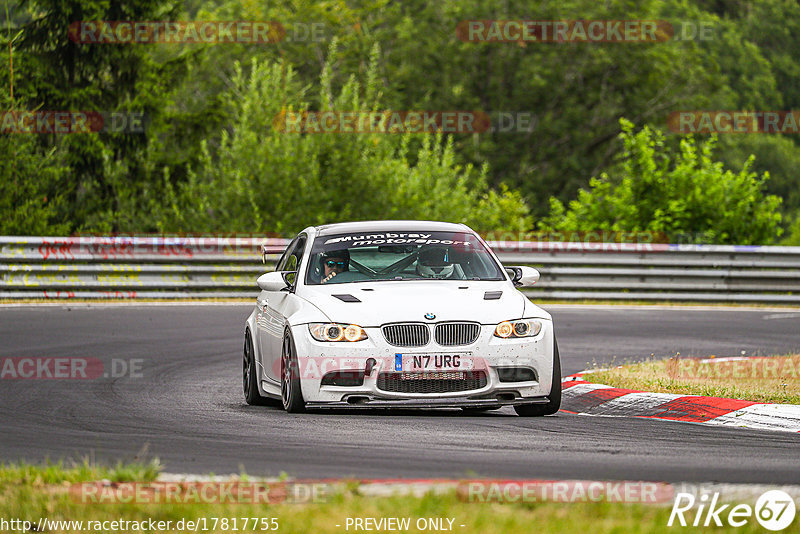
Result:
<point x="271" y="305"/>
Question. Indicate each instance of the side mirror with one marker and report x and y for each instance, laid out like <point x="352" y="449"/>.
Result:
<point x="523" y="276"/>
<point x="274" y="281"/>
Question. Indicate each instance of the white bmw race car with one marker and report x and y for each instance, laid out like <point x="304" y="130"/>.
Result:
<point x="406" y="314"/>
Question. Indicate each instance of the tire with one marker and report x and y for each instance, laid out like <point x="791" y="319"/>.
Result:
<point x="250" y="374"/>
<point x="538" y="410"/>
<point x="291" y="395"/>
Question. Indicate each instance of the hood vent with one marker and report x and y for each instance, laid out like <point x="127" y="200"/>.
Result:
<point x="346" y="298"/>
<point x="492" y="295"/>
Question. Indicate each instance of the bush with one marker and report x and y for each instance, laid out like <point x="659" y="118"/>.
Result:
<point x="793" y="232"/>
<point x="686" y="196"/>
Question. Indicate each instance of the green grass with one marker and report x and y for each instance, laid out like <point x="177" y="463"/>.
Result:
<point x="29" y="492"/>
<point x="773" y="379"/>
<point x="74" y="472"/>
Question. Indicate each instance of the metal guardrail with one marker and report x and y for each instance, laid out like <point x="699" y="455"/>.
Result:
<point x="214" y="267"/>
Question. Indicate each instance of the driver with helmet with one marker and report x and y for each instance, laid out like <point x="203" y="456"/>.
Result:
<point x="434" y="262"/>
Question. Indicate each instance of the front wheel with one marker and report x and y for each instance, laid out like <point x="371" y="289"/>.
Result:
<point x="250" y="375"/>
<point x="291" y="395"/>
<point x="537" y="410"/>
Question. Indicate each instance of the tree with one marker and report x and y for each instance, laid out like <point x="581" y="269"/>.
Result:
<point x="28" y="201"/>
<point x="261" y="178"/>
<point x="573" y="92"/>
<point x="54" y="73"/>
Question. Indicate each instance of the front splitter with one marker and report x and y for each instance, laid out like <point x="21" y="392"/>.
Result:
<point x="366" y="402"/>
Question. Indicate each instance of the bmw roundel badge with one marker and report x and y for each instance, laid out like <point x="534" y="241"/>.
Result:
<point x="430" y="316"/>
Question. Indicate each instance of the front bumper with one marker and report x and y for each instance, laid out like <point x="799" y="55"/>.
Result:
<point x="487" y="354"/>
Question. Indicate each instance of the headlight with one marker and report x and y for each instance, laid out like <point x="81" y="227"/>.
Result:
<point x="520" y="328"/>
<point x="336" y="332"/>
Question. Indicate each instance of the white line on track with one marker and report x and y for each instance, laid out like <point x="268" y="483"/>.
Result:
<point x="781" y="316"/>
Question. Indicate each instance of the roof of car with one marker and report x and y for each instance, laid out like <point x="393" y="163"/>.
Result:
<point x="388" y="226"/>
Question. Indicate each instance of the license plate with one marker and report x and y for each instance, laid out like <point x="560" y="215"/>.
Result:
<point x="433" y="362"/>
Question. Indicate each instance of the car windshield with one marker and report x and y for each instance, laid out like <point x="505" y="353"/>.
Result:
<point x="400" y="255"/>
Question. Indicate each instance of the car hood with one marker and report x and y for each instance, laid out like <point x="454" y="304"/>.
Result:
<point x="408" y="301"/>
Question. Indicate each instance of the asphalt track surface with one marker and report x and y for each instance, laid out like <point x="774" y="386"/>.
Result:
<point x="186" y="408"/>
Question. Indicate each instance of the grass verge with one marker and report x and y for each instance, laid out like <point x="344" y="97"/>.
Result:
<point x="763" y="379"/>
<point x="30" y="492"/>
<point x="22" y="474"/>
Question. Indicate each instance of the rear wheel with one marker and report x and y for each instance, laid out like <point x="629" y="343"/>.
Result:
<point x="536" y="410"/>
<point x="291" y="395"/>
<point x="250" y="375"/>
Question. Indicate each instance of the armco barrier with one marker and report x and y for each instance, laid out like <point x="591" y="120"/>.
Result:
<point x="218" y="267"/>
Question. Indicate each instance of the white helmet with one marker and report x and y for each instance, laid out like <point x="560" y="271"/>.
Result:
<point x="434" y="263"/>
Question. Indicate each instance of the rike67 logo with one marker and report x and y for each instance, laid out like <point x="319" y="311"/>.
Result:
<point x="774" y="510"/>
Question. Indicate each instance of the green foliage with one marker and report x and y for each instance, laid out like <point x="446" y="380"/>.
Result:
<point x="686" y="196"/>
<point x="210" y="160"/>
<point x="96" y="182"/>
<point x="574" y="92"/>
<point x="30" y="198"/>
<point x="261" y="178"/>
<point x="793" y="232"/>
<point x="776" y="154"/>
<point x="29" y="202"/>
